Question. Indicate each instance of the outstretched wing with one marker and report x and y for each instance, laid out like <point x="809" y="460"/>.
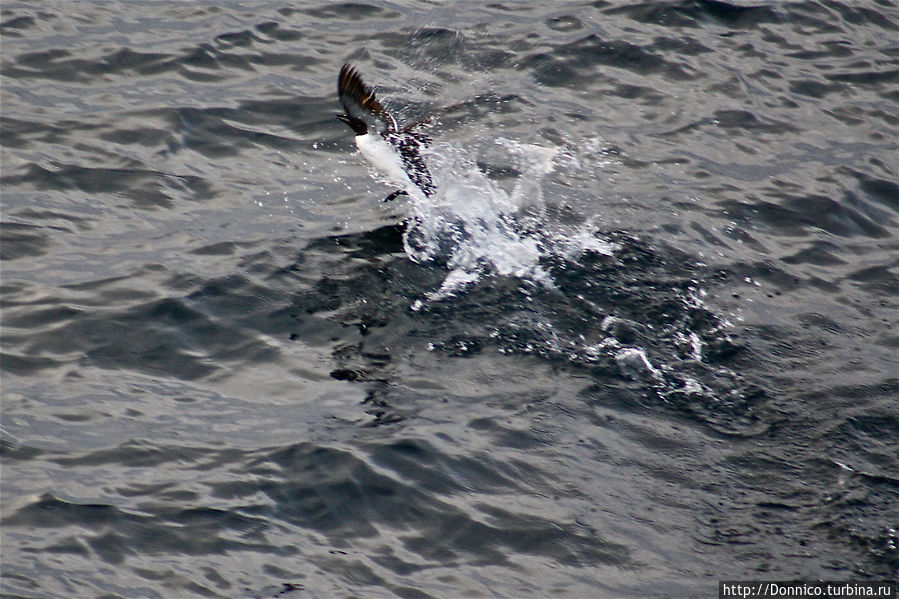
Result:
<point x="359" y="100"/>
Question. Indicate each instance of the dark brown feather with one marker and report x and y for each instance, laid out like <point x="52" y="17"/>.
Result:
<point x="351" y="89"/>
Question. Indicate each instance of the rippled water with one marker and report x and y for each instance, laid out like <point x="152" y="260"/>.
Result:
<point x="644" y="338"/>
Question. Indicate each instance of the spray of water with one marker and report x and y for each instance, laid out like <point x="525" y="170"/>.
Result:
<point x="477" y="228"/>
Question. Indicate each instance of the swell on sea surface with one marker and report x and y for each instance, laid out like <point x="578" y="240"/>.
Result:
<point x="644" y="340"/>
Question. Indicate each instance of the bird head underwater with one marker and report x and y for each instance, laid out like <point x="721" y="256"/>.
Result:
<point x="396" y="152"/>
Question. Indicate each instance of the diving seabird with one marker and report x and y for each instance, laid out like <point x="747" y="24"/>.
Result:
<point x="395" y="152"/>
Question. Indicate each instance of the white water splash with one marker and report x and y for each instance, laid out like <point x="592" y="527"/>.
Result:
<point x="634" y="363"/>
<point x="476" y="227"/>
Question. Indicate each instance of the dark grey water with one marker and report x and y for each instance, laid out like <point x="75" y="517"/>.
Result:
<point x="229" y="370"/>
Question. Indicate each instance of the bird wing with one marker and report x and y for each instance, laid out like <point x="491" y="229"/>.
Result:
<point x="355" y="95"/>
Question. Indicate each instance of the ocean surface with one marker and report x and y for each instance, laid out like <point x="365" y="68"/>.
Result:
<point x="642" y="339"/>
